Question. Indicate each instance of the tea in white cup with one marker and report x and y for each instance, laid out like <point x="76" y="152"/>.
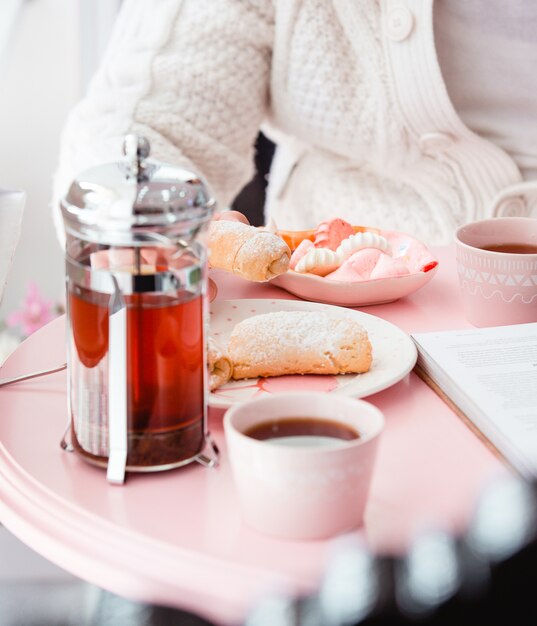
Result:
<point x="302" y="462"/>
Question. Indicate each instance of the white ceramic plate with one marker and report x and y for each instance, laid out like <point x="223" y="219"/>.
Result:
<point x="365" y="293"/>
<point x="394" y="353"/>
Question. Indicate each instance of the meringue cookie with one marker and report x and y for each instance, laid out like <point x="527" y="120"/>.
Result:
<point x="319" y="261"/>
<point x="359" y="241"/>
<point x="388" y="267"/>
<point x="357" y="267"/>
<point x="415" y="254"/>
<point x="303" y="247"/>
<point x="330" y="233"/>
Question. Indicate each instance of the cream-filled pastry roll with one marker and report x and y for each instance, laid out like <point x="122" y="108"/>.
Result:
<point x="298" y="342"/>
<point x="247" y="251"/>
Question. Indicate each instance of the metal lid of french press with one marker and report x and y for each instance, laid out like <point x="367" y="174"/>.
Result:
<point x="125" y="202"/>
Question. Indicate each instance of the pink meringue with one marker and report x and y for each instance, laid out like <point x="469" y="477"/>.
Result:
<point x="357" y="267"/>
<point x="388" y="267"/>
<point x="331" y="233"/>
<point x="413" y="252"/>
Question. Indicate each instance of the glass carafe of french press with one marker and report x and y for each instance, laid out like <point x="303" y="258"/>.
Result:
<point x="136" y="284"/>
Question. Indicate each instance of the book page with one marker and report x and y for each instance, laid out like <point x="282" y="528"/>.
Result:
<point x="491" y="374"/>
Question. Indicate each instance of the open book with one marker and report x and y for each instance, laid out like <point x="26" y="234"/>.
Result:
<point x="490" y="375"/>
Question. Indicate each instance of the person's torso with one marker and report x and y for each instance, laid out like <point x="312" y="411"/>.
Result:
<point x="376" y="137"/>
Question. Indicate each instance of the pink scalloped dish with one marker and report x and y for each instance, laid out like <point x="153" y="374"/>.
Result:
<point x="355" y="265"/>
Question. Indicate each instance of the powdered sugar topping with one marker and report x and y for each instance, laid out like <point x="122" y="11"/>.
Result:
<point x="315" y="332"/>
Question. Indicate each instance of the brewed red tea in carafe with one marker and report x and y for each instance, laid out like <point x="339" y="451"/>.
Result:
<point x="136" y="282"/>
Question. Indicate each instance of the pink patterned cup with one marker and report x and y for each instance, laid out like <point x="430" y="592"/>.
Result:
<point x="498" y="288"/>
<point x="296" y="491"/>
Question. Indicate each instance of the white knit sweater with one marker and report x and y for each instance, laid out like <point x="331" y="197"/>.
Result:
<point x="351" y="91"/>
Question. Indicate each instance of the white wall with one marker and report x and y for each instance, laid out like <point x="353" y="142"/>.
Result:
<point x="39" y="83"/>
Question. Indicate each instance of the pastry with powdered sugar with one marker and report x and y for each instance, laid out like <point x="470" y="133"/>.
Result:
<point x="298" y="342"/>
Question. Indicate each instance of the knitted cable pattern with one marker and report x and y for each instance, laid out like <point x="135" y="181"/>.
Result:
<point x="199" y="77"/>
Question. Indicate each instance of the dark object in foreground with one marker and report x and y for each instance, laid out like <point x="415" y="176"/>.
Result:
<point x="487" y="576"/>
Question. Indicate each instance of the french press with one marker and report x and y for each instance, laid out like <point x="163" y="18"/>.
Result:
<point x="136" y="276"/>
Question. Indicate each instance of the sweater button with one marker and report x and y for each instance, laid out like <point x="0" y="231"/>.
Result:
<point x="399" y="23"/>
<point x="512" y="207"/>
<point x="435" y="142"/>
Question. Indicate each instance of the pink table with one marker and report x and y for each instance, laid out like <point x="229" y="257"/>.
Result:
<point x="177" y="538"/>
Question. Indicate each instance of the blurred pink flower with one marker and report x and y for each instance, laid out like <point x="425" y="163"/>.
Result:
<point x="36" y="312"/>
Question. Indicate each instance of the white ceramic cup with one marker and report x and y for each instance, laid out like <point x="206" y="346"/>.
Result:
<point x="303" y="492"/>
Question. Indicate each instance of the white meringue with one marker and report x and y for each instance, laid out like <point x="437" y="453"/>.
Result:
<point x="320" y="261"/>
<point x="359" y="241"/>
